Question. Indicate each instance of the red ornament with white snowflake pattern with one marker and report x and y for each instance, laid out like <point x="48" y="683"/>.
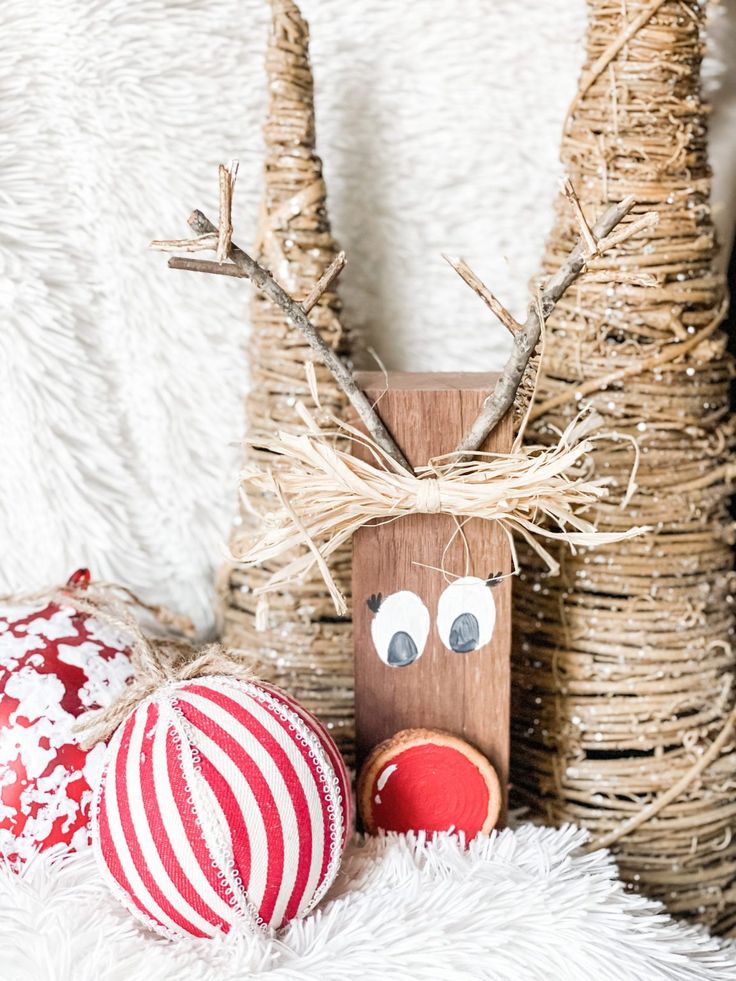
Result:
<point x="55" y="664"/>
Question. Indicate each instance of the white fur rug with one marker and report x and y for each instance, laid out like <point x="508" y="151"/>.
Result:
<point x="519" y="906"/>
<point x="121" y="382"/>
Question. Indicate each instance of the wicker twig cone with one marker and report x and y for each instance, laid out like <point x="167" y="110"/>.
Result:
<point x="625" y="664"/>
<point x="304" y="647"/>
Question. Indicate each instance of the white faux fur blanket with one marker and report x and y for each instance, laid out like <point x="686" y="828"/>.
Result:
<point x="121" y="382"/>
<point x="524" y="905"/>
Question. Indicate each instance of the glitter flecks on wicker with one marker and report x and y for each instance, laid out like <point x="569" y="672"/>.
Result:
<point x="624" y="664"/>
<point x="304" y="648"/>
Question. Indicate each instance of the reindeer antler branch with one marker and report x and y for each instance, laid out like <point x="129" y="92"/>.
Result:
<point x="593" y="241"/>
<point x="234" y="261"/>
<point x="241" y="265"/>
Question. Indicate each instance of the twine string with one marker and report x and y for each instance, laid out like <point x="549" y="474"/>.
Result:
<point x="158" y="663"/>
<point x="155" y="660"/>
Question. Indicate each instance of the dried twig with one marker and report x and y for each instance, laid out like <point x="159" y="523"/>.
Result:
<point x="633" y="228"/>
<point x="227" y="176"/>
<point x="664" y="355"/>
<point x="502" y="397"/>
<point x="199" y="244"/>
<point x="493" y="303"/>
<point x="671" y="793"/>
<point x="326" y="280"/>
<point x="585" y="232"/>
<point x="206" y="266"/>
<point x="230" y="269"/>
<point x="526" y="336"/>
<point x="609" y="53"/>
<point x="295" y="312"/>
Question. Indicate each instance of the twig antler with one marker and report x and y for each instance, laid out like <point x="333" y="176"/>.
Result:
<point x="241" y="265"/>
<point x="593" y="241"/>
<point x="234" y="261"/>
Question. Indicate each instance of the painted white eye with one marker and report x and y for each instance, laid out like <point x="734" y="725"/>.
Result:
<point x="400" y="627"/>
<point x="466" y="614"/>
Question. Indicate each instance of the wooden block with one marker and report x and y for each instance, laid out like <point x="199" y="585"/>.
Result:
<point x="464" y="693"/>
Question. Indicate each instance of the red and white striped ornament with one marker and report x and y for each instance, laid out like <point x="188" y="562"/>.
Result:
<point x="56" y="663"/>
<point x="222" y="805"/>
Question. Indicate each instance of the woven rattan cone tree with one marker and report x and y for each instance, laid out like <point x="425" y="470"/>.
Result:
<point x="623" y="719"/>
<point x="304" y="646"/>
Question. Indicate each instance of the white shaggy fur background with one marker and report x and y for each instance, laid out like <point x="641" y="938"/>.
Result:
<point x="121" y="382"/>
<point x="121" y="386"/>
<point x="519" y="906"/>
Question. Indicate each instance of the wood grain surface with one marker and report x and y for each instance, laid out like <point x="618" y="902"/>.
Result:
<point x="466" y="694"/>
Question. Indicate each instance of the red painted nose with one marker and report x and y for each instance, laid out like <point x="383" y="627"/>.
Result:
<point x="424" y="780"/>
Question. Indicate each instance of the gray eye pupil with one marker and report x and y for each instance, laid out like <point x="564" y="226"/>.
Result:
<point x="464" y="633"/>
<point x="401" y="650"/>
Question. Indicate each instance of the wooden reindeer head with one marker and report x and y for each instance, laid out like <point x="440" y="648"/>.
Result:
<point x="432" y="593"/>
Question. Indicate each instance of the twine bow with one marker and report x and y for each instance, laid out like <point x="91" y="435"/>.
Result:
<point x="156" y="660"/>
<point x="317" y="495"/>
<point x="157" y="663"/>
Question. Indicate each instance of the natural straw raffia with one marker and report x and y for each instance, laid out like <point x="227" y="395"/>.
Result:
<point x="624" y="695"/>
<point x="305" y="648"/>
<point x="326" y="494"/>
